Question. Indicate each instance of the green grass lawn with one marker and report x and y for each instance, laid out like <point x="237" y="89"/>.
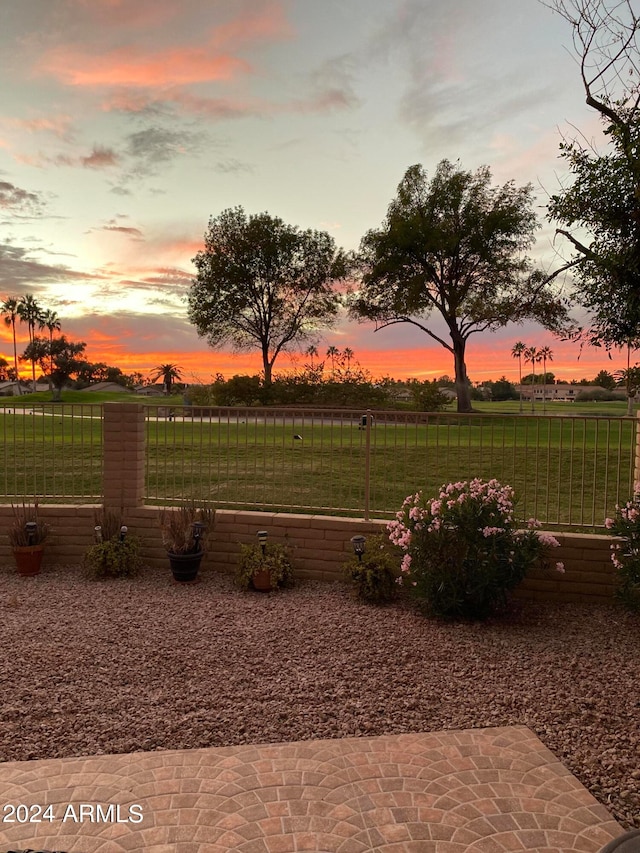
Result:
<point x="568" y="471"/>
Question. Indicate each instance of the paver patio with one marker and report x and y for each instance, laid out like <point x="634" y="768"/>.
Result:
<point x="473" y="791"/>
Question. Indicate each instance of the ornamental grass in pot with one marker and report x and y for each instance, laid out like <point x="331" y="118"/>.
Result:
<point x="185" y="531"/>
<point x="27" y="535"/>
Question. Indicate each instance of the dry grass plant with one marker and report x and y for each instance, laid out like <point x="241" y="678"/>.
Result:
<point x="177" y="527"/>
<point x="23" y="514"/>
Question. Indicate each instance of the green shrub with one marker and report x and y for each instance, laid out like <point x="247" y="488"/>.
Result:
<point x="463" y="549"/>
<point x="114" y="555"/>
<point x="374" y="577"/>
<point x="276" y="559"/>
<point x="625" y="555"/>
<point x="114" y="559"/>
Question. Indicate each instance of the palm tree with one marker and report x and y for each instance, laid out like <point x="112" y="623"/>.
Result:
<point x="169" y="372"/>
<point x="531" y="354"/>
<point x="51" y="321"/>
<point x="10" y="310"/>
<point x="333" y="353"/>
<point x="30" y="313"/>
<point x="545" y="354"/>
<point x="518" y="349"/>
<point x="347" y="355"/>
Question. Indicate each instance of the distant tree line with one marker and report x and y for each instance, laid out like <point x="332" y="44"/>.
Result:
<point x="61" y="362"/>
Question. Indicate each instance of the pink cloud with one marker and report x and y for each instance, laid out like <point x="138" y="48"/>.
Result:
<point x="59" y="126"/>
<point x="127" y="66"/>
<point x="268" y="24"/>
<point x="132" y="66"/>
<point x="142" y="13"/>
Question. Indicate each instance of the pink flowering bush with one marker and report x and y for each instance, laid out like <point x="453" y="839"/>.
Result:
<point x="463" y="549"/>
<point x="625" y="555"/>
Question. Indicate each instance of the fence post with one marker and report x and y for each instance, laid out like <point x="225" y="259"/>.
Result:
<point x="123" y="459"/>
<point x="367" y="466"/>
<point x="636" y="468"/>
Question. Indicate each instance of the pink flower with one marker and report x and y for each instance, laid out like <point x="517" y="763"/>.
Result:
<point x="560" y="567"/>
<point x="608" y="523"/>
<point x="547" y="539"/>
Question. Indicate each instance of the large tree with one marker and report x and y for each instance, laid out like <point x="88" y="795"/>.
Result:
<point x="599" y="212"/>
<point x="454" y="246"/>
<point x="263" y="284"/>
<point x="62" y="357"/>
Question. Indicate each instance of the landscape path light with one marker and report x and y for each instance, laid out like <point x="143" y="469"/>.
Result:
<point x="97" y="533"/>
<point x="262" y="539"/>
<point x="31" y="528"/>
<point x="359" y="544"/>
<point x="123" y="532"/>
<point x="198" y="527"/>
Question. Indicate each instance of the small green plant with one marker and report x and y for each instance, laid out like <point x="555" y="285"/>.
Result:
<point x="625" y="555"/>
<point x="116" y="553"/>
<point x="464" y="551"/>
<point x="374" y="576"/>
<point x="19" y="535"/>
<point x="276" y="560"/>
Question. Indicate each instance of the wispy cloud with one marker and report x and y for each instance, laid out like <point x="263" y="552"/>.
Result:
<point x="233" y="166"/>
<point x="20" y="272"/>
<point x="58" y="125"/>
<point x="114" y="226"/>
<point x="100" y="157"/>
<point x="19" y="202"/>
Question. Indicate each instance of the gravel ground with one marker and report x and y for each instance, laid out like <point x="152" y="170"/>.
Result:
<point x="119" y="666"/>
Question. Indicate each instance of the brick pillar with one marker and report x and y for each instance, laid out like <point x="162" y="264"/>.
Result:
<point x="123" y="455"/>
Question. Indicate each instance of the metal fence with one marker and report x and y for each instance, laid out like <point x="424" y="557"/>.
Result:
<point x="51" y="451"/>
<point x="569" y="472"/>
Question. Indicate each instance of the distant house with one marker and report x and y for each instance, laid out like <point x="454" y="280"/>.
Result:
<point x="107" y="386"/>
<point x="562" y="392"/>
<point x="447" y="392"/>
<point x="149" y="390"/>
<point x="9" y="388"/>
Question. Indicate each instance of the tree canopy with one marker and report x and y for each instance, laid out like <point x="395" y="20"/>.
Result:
<point x="169" y="373"/>
<point x="263" y="284"/>
<point x="455" y="245"/>
<point x="62" y="357"/>
<point x="603" y="200"/>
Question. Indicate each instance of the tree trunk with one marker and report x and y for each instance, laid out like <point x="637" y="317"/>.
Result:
<point x="462" y="387"/>
<point x="15" y="358"/>
<point x="266" y="366"/>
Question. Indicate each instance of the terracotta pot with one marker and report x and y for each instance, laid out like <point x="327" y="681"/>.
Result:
<point x="185" y="566"/>
<point x="28" y="559"/>
<point x="262" y="580"/>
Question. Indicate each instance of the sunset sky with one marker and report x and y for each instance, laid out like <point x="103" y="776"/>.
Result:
<point x="126" y="124"/>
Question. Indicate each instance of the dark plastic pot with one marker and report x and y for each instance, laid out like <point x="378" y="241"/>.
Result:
<point x="185" y="566"/>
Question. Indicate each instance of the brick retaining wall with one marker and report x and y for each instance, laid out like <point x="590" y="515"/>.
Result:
<point x="321" y="545"/>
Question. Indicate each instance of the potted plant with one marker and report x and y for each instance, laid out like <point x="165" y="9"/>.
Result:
<point x="185" y="530"/>
<point x="264" y="567"/>
<point x="27" y="535"/>
<point x="116" y="553"/>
